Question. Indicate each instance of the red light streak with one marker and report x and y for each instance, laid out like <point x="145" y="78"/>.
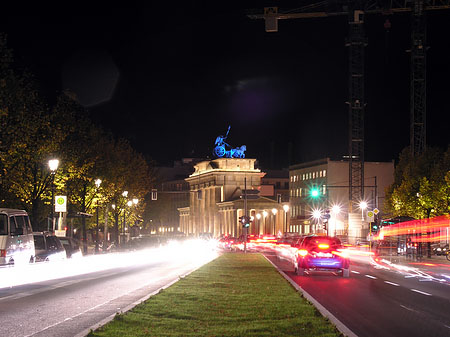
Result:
<point x="424" y="230"/>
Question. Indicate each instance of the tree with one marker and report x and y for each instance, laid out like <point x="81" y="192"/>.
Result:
<point x="421" y="186"/>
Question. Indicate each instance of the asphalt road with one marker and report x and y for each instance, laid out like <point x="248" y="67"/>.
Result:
<point x="68" y="306"/>
<point x="380" y="302"/>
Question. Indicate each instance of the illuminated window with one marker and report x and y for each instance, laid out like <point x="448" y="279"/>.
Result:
<point x="292" y="179"/>
<point x="310" y="175"/>
<point x="301" y="191"/>
<point x="314" y="175"/>
<point x="324" y="189"/>
<point x="324" y="173"/>
<point x="320" y="173"/>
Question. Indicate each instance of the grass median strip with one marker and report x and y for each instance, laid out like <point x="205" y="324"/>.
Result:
<point x="234" y="295"/>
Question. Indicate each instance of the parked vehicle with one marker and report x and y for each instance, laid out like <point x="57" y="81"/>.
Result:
<point x="48" y="247"/>
<point x="440" y="249"/>
<point x="321" y="253"/>
<point x="72" y="247"/>
<point x="16" y="237"/>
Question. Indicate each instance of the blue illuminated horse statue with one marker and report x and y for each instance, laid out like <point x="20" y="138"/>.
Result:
<point x="221" y="151"/>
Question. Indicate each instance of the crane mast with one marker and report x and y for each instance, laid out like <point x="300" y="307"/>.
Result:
<point x="355" y="11"/>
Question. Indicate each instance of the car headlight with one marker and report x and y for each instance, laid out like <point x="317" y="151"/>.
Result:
<point x="439" y="249"/>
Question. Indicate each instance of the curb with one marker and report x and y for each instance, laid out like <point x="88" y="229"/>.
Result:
<point x="108" y="319"/>
<point x="339" y="325"/>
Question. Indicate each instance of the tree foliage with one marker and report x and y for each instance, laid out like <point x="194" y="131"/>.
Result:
<point x="32" y="132"/>
<point x="421" y="187"/>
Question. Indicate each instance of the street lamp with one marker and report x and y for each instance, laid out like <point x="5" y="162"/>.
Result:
<point x="264" y="217"/>
<point x="317" y="214"/>
<point x="53" y="165"/>
<point x="335" y="210"/>
<point x="274" y="212"/>
<point x="286" y="210"/>
<point x="97" y="184"/>
<point x="258" y="216"/>
<point x="363" y="206"/>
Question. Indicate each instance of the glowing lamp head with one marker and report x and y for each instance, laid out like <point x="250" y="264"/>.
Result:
<point x="53" y="164"/>
<point x="258" y="216"/>
<point x="317" y="214"/>
<point x="274" y="211"/>
<point x="98" y="182"/>
<point x="265" y="213"/>
<point x="286" y="208"/>
<point x="129" y="203"/>
<point x="336" y="209"/>
<point x="363" y="205"/>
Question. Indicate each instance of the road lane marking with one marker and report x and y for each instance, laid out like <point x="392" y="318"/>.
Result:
<point x="421" y="292"/>
<point x="356" y="272"/>
<point x="407" y="308"/>
<point x="370" y="276"/>
<point x="392" y="283"/>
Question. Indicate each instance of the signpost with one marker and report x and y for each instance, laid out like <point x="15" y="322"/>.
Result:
<point x="250" y="194"/>
<point x="60" y="207"/>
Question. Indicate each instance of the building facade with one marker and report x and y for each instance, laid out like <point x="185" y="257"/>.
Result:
<point x="217" y="200"/>
<point x="319" y="189"/>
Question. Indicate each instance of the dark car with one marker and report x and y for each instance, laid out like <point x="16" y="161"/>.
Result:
<point x="72" y="247"/>
<point x="48" y="247"/>
<point x="321" y="253"/>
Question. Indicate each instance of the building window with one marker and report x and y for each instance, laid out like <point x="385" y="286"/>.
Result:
<point x="286" y="185"/>
<point x="320" y="173"/>
<point x="310" y="175"/>
<point x="324" y="173"/>
<point x="278" y="184"/>
<point x="314" y="175"/>
<point x="301" y="191"/>
<point x="292" y="179"/>
<point x="324" y="189"/>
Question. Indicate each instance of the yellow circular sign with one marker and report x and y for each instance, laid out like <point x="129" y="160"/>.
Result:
<point x="370" y="214"/>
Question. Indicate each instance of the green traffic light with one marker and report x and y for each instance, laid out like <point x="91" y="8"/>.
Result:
<point x="314" y="192"/>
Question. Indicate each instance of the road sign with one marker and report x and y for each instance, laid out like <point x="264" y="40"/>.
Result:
<point x="60" y="203"/>
<point x="251" y="194"/>
<point x="251" y="197"/>
<point x="370" y="216"/>
<point x="376" y="211"/>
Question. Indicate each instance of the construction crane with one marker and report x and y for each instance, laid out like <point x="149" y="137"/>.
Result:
<point x="355" y="10"/>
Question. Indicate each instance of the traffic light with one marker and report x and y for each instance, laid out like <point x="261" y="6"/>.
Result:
<point x="314" y="192"/>
<point x="245" y="220"/>
<point x="374" y="226"/>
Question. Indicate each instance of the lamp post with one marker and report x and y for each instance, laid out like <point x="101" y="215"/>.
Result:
<point x="97" y="185"/>
<point x="258" y="216"/>
<point x="335" y="210"/>
<point x="274" y="212"/>
<point x="53" y="165"/>
<point x="286" y="210"/>
<point x="363" y="206"/>
<point x="264" y="217"/>
<point x="317" y="214"/>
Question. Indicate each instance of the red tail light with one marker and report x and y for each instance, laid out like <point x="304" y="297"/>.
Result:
<point x="302" y="252"/>
<point x="323" y="246"/>
<point x="2" y="252"/>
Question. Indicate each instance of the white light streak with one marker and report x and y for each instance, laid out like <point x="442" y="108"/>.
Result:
<point x="196" y="252"/>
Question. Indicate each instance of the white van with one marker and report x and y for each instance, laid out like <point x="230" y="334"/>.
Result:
<point x="16" y="237"/>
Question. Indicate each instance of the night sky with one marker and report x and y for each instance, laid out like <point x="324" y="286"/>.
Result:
<point x="171" y="78"/>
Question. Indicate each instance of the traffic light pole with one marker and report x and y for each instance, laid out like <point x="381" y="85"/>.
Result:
<point x="245" y="214"/>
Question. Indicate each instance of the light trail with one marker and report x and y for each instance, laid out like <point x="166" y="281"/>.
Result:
<point x="197" y="252"/>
